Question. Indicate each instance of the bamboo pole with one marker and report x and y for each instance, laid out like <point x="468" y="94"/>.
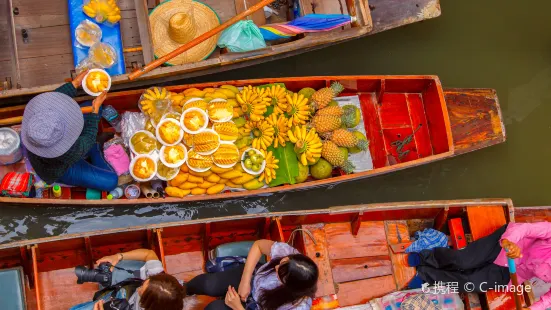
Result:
<point x="18" y="119"/>
<point x="136" y="74"/>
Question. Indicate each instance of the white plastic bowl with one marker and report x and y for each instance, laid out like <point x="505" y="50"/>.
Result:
<point x="176" y="165"/>
<point x="230" y="121"/>
<point x="205" y="118"/>
<point x="132" y="146"/>
<point x="133" y="162"/>
<point x="169" y="120"/>
<point x="163" y="178"/>
<point x="85" y="87"/>
<point x="221" y="120"/>
<point x="193" y="168"/>
<point x="249" y="171"/>
<point x="226" y="166"/>
<point x="211" y="151"/>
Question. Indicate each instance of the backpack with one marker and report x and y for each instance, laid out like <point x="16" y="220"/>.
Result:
<point x="123" y="289"/>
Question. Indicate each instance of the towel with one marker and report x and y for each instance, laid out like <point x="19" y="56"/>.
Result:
<point x="116" y="156"/>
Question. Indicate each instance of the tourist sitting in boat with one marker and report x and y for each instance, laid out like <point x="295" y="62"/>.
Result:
<point x="59" y="139"/>
<point x="158" y="291"/>
<point x="287" y="281"/>
<point x="482" y="265"/>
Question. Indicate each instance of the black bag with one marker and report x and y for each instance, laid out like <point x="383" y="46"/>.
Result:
<point x="129" y="286"/>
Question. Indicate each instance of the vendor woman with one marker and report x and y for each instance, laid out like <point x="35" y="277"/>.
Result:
<point x="60" y="140"/>
<point x="482" y="265"/>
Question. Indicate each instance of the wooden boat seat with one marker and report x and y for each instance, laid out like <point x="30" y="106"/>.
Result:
<point x="13" y="289"/>
<point x="240" y="248"/>
<point x="349" y="263"/>
<point x="484" y="221"/>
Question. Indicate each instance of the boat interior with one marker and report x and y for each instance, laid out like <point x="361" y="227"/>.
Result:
<point x="355" y="248"/>
<point x="405" y="119"/>
<point x="39" y="49"/>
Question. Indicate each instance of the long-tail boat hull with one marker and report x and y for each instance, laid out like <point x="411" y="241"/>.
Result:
<point x="38" y="53"/>
<point x="441" y="123"/>
<point x="356" y="247"/>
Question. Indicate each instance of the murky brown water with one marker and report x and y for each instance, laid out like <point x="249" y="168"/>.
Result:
<point x="499" y="44"/>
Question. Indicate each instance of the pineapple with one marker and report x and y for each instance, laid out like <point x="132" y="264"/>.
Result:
<point x="332" y="111"/>
<point x="345" y="138"/>
<point x="323" y="97"/>
<point x="326" y="123"/>
<point x="331" y="152"/>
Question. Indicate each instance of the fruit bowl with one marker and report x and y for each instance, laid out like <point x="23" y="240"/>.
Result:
<point x="143" y="168"/>
<point x="166" y="173"/>
<point x="226" y="156"/>
<point x="169" y="132"/>
<point x="96" y="81"/>
<point x="198" y="163"/>
<point x="219" y="111"/>
<point x="247" y="154"/>
<point x="200" y="103"/>
<point x="228" y="131"/>
<point x="206" y="142"/>
<point x="194" y="120"/>
<point x="173" y="156"/>
<point x="143" y="143"/>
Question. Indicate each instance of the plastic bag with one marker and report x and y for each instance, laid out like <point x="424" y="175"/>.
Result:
<point x="86" y="64"/>
<point x="244" y="36"/>
<point x="155" y="102"/>
<point x="103" y="55"/>
<point x="131" y="122"/>
<point x="102" y="11"/>
<point x="87" y="33"/>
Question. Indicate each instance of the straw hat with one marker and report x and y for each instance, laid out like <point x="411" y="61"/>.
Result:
<point x="176" y="22"/>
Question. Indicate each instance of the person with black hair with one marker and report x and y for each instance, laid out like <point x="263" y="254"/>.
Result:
<point x="287" y="281"/>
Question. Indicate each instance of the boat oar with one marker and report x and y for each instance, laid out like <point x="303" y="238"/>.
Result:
<point x="136" y="74"/>
<point x="18" y="119"/>
<point x="514" y="279"/>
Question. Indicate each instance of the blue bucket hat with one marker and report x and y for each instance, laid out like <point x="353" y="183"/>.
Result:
<point x="52" y="123"/>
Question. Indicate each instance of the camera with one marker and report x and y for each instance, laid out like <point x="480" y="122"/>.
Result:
<point x="101" y="275"/>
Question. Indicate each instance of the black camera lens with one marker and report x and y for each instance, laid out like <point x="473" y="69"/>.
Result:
<point x="101" y="275"/>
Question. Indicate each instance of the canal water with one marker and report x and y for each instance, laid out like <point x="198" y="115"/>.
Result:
<point x="500" y="44"/>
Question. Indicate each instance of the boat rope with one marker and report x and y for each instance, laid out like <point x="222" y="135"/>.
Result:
<point x="290" y="241"/>
<point x="400" y="144"/>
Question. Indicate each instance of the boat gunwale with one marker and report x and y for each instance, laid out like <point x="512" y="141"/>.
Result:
<point x="358" y="208"/>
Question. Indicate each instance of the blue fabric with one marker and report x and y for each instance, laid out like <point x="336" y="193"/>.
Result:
<point x="96" y="175"/>
<point x="110" y="35"/>
<point x="415" y="282"/>
<point x="319" y="22"/>
<point x="428" y="239"/>
<point x="220" y="264"/>
<point x="414" y="259"/>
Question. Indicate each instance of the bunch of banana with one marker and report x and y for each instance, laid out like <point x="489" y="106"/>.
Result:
<point x="263" y="134"/>
<point x="253" y="102"/>
<point x="269" y="172"/>
<point x="278" y="97"/>
<point x="308" y="144"/>
<point x="279" y="123"/>
<point x="150" y="98"/>
<point x="298" y="109"/>
<point x="103" y="10"/>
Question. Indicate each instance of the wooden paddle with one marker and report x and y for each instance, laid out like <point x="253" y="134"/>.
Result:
<point x="18" y="119"/>
<point x="513" y="272"/>
<point x="136" y="74"/>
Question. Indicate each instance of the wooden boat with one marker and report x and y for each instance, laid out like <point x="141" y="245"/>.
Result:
<point x="355" y="247"/>
<point x="38" y="53"/>
<point x="447" y="123"/>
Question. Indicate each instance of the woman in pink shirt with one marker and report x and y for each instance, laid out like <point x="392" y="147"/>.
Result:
<point x="482" y="265"/>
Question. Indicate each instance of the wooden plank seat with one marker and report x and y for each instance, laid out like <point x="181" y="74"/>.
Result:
<point x="483" y="221"/>
<point x="13" y="289"/>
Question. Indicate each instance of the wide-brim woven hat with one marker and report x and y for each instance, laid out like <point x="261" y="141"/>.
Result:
<point x="52" y="123"/>
<point x="176" y="22"/>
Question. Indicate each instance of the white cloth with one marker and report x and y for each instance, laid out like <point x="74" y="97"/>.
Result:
<point x="151" y="268"/>
<point x="271" y="281"/>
